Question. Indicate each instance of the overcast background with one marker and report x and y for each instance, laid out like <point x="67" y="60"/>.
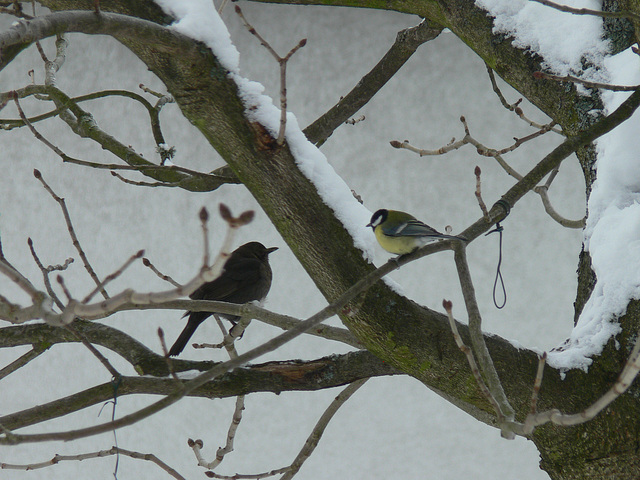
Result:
<point x="391" y="428"/>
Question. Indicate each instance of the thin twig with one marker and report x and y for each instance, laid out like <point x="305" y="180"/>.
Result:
<point x="113" y="275"/>
<point x="478" y="192"/>
<point x="528" y="426"/>
<point x="497" y="154"/>
<point x="565" y="222"/>
<point x="145" y="184"/>
<point x="586" y="83"/>
<point x="114" y="373"/>
<point x="282" y="61"/>
<point x="587" y="11"/>
<point x="20" y="280"/>
<point x="72" y="233"/>
<point x="237" y="413"/>
<point x="515" y="108"/>
<point x="103" y="453"/>
<point x="316" y="434"/>
<point x="47" y="270"/>
<point x="168" y="359"/>
<point x="242" y="476"/>
<point x="471" y="360"/>
<point x="147" y="263"/>
<point x="477" y="339"/>
<point x="21" y="361"/>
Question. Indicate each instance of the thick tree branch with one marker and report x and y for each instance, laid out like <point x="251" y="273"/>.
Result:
<point x="275" y="377"/>
<point x="407" y="42"/>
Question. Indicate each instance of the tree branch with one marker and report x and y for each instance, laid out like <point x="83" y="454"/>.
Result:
<point x="407" y="42"/>
<point x="275" y="377"/>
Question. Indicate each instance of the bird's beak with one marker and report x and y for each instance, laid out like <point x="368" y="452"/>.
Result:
<point x="369" y="225"/>
<point x="272" y="249"/>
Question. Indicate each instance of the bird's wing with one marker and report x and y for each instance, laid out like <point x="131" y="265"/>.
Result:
<point x="413" y="228"/>
<point x="236" y="275"/>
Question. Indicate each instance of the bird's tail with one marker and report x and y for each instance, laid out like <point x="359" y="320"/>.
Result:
<point x="456" y="237"/>
<point x="192" y="324"/>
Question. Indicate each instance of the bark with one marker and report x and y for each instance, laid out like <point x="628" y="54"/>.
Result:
<point x="409" y="337"/>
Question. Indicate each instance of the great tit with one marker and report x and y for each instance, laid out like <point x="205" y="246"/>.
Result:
<point x="401" y="233"/>
<point x="246" y="277"/>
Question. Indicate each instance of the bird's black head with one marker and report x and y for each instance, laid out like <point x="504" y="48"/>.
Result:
<point x="377" y="218"/>
<point x="253" y="249"/>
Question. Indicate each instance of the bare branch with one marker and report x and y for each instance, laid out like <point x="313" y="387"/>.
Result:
<point x="587" y="11"/>
<point x="472" y="362"/>
<point x="478" y="192"/>
<point x="274" y="377"/>
<point x="72" y="233"/>
<point x="47" y="270"/>
<point x="282" y="61"/>
<point x="85" y="456"/>
<point x="515" y="106"/>
<point x="318" y="430"/>
<point x="103" y="360"/>
<point x="235" y="420"/>
<point x="165" y="354"/>
<point x="565" y="222"/>
<point x="406" y="43"/>
<point x="586" y="83"/>
<point x="241" y="476"/>
<point x="21" y="361"/>
<point x="113" y="275"/>
<point x="147" y="263"/>
<point x="169" y="175"/>
<point x="220" y="369"/>
<point x="477" y="339"/>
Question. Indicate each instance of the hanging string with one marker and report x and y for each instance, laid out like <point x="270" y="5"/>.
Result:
<point x="499" y="229"/>
<point x="115" y="383"/>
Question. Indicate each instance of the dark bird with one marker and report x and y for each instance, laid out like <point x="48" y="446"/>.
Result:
<point x="246" y="277"/>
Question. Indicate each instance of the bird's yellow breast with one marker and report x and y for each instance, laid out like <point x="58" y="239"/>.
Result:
<point x="397" y="245"/>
